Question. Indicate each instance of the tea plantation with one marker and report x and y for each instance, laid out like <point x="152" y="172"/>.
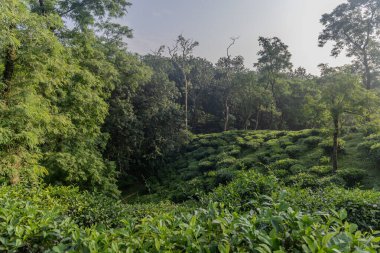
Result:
<point x="239" y="191"/>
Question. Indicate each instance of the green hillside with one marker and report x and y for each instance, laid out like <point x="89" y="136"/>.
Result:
<point x="239" y="191"/>
<point x="299" y="159"/>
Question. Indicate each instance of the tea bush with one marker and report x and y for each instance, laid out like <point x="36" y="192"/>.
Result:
<point x="253" y="213"/>
<point x="363" y="206"/>
<point x="352" y="176"/>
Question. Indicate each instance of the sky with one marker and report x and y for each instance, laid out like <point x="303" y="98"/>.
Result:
<point x="213" y="22"/>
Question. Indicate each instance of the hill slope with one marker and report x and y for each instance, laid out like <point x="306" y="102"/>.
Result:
<point x="255" y="192"/>
<point x="299" y="158"/>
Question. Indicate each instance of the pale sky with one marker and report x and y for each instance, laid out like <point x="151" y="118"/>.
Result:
<point x="213" y="22"/>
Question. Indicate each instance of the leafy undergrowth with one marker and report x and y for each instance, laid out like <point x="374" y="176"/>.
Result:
<point x="250" y="214"/>
<point x="300" y="159"/>
<point x="261" y="191"/>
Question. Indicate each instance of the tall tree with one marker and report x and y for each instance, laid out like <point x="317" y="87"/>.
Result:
<point x="202" y="77"/>
<point x="228" y="67"/>
<point x="144" y="121"/>
<point x="273" y="62"/>
<point x="342" y="94"/>
<point x="354" y="26"/>
<point x="55" y="82"/>
<point x="250" y="100"/>
<point x="25" y="114"/>
<point x="181" y="54"/>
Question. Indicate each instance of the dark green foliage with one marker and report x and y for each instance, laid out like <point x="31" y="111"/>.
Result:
<point x="327" y="145"/>
<point x="76" y="108"/>
<point x="352" y="176"/>
<point x="297" y="168"/>
<point x="294" y="150"/>
<point x="312" y="141"/>
<point x="371" y="146"/>
<point x="303" y="180"/>
<point x="296" y="158"/>
<point x="362" y="206"/>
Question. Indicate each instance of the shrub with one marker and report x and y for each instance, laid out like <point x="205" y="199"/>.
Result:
<point x="283" y="164"/>
<point x="272" y="143"/>
<point x="224" y="176"/>
<point x="199" y="153"/>
<point x="303" y="134"/>
<point x="295" y="150"/>
<point x="263" y="157"/>
<point x="246" y="187"/>
<point x="371" y="146"/>
<point x="249" y="161"/>
<point x="276" y="157"/>
<point x="206" y="165"/>
<point x="189" y="174"/>
<point x="233" y="150"/>
<point x="312" y="141"/>
<point x="254" y="144"/>
<point x="352" y="176"/>
<point x="217" y="143"/>
<point x="333" y="180"/>
<point x="250" y="214"/>
<point x="284" y="142"/>
<point x="226" y="161"/>
<point x="363" y="207"/>
<point x="297" y="168"/>
<point x="321" y="170"/>
<point x="281" y="173"/>
<point x="327" y="145"/>
<point x="324" y="160"/>
<point x="303" y="180"/>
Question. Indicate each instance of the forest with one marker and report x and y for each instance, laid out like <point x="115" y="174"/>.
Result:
<point x="106" y="150"/>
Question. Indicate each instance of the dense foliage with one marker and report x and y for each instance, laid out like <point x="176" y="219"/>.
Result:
<point x="209" y="157"/>
<point x="299" y="159"/>
<point x="62" y="220"/>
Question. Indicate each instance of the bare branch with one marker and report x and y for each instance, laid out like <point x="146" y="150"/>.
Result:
<point x="233" y="40"/>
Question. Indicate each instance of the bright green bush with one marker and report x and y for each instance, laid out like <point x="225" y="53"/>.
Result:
<point x="303" y="180"/>
<point x="362" y="206"/>
<point x="250" y="214"/>
<point x="247" y="187"/>
<point x="216" y="229"/>
<point x="206" y="165"/>
<point x="254" y="144"/>
<point x="284" y="164"/>
<point x="325" y="160"/>
<point x="321" y="170"/>
<point x="226" y="161"/>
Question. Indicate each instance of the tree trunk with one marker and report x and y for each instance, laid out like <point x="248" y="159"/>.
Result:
<point x="9" y="68"/>
<point x="246" y="121"/>
<point x="186" y="102"/>
<point x="367" y="75"/>
<point x="257" y="119"/>
<point x="335" y="144"/>
<point x="227" y="113"/>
